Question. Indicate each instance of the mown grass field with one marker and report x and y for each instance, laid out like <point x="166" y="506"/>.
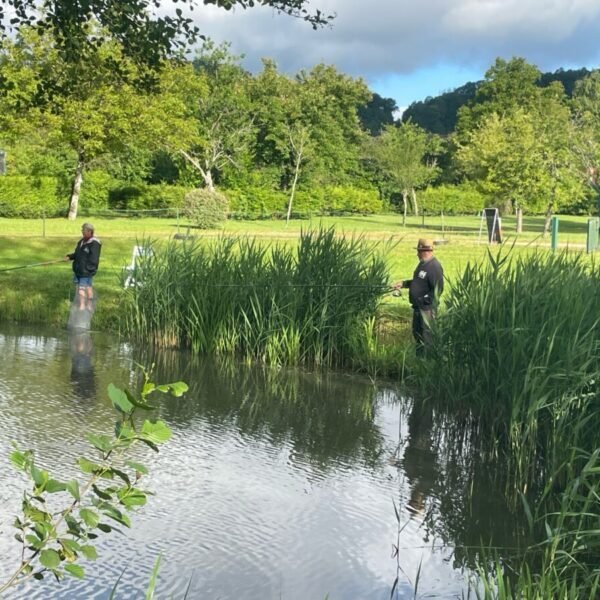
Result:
<point x="42" y="294"/>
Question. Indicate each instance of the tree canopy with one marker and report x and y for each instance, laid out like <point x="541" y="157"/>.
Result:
<point x="147" y="31"/>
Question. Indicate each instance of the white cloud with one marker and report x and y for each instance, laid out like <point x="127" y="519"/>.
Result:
<point x="373" y="38"/>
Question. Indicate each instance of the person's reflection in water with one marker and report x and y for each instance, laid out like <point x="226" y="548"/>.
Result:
<point x="420" y="459"/>
<point x="82" y="367"/>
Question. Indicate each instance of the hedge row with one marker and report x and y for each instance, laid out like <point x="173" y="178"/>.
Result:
<point x="255" y="202"/>
<point x="22" y="196"/>
<point x="29" y="197"/>
<point x="452" y="200"/>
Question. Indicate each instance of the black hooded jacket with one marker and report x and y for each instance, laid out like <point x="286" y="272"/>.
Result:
<point x="426" y="285"/>
<point x="86" y="257"/>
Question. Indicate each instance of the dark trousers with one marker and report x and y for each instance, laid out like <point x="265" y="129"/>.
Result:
<point x="421" y="329"/>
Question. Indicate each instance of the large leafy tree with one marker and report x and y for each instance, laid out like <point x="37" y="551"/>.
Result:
<point x="80" y="106"/>
<point x="222" y="131"/>
<point x="402" y="160"/>
<point x="146" y="29"/>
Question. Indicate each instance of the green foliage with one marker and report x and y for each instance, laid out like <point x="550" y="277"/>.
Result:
<point x="255" y="202"/>
<point x="206" y="209"/>
<point x="53" y="542"/>
<point x="452" y="200"/>
<point x="29" y="197"/>
<point x="564" y="563"/>
<point x="143" y="196"/>
<point x="277" y="305"/>
<point x="518" y="357"/>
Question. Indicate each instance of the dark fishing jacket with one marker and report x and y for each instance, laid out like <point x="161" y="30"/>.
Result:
<point x="426" y="285"/>
<point x="86" y="257"/>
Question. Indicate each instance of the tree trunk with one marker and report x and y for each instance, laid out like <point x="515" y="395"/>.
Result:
<point x="76" y="189"/>
<point x="405" y="201"/>
<point x="208" y="180"/>
<point x="413" y="194"/>
<point x="293" y="192"/>
<point x="548" y="219"/>
<point x="519" y="220"/>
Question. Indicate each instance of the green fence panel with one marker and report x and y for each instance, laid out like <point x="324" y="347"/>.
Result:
<point x="592" y="235"/>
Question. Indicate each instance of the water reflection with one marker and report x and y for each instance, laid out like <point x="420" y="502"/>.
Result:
<point x="327" y="418"/>
<point x="83" y="378"/>
<point x="276" y="484"/>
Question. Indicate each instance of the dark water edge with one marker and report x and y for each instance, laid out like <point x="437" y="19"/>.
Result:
<point x="276" y="484"/>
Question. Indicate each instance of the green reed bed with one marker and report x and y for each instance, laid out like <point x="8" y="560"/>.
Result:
<point x="274" y="304"/>
<point x="517" y="364"/>
<point x="518" y="357"/>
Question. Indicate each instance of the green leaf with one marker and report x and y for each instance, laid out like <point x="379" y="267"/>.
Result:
<point x="89" y="517"/>
<point x="75" y="571"/>
<point x="73" y="488"/>
<point x="101" y="493"/>
<point x="152" y="583"/>
<point x="54" y="486"/>
<point x="136" y="402"/>
<point x="50" y="558"/>
<point x="88" y="466"/>
<point x="177" y="389"/>
<point x="21" y="460"/>
<point x="155" y="432"/>
<point x="104" y="527"/>
<point x="119" y="399"/>
<point x="100" y="442"/>
<point x="131" y="497"/>
<point x="138" y="467"/>
<point x="39" y="476"/>
<point x="70" y="545"/>
<point x="89" y="552"/>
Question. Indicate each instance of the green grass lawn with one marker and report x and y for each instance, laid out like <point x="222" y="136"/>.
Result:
<point x="42" y="294"/>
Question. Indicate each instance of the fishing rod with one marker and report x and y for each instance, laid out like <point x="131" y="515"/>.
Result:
<point x="40" y="264"/>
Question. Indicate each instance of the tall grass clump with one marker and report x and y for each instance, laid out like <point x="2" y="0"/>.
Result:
<point x="274" y="304"/>
<point x="565" y="563"/>
<point x="518" y="358"/>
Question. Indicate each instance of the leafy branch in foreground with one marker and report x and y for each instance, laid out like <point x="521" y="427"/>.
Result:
<point x="53" y="541"/>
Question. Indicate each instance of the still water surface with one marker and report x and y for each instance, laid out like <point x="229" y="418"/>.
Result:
<point x="276" y="484"/>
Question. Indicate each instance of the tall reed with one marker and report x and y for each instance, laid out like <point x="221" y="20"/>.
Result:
<point x="518" y="357"/>
<point x="274" y="304"/>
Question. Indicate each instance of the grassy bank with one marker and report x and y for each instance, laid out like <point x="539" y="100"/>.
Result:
<point x="42" y="294"/>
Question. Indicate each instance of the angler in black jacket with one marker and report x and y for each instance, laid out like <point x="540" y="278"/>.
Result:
<point x="424" y="290"/>
<point x="86" y="259"/>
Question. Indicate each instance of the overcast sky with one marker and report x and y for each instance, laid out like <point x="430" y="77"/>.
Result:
<point x="409" y="49"/>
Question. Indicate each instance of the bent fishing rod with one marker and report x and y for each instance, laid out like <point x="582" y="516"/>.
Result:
<point x="40" y="264"/>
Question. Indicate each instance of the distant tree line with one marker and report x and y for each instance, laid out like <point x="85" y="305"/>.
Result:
<point x="108" y="131"/>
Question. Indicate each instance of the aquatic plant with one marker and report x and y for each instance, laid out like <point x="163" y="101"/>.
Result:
<point x="54" y="541"/>
<point x="518" y="360"/>
<point x="273" y="304"/>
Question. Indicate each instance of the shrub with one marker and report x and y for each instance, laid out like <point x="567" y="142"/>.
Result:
<point x="30" y="197"/>
<point x="96" y="188"/>
<point x="256" y="202"/>
<point x="452" y="199"/>
<point x="141" y="196"/>
<point x="207" y="209"/>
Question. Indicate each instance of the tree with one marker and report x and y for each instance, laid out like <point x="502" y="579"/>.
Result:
<point x="377" y="113"/>
<point x="146" y="34"/>
<point x="403" y="160"/>
<point x="223" y="122"/>
<point x="586" y="105"/>
<point x="82" y="107"/>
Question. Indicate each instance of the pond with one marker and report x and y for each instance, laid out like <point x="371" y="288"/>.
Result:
<point x="276" y="484"/>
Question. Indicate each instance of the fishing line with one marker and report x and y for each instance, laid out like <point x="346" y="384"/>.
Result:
<point x="40" y="264"/>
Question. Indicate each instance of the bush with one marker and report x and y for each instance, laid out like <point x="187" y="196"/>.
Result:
<point x="96" y="188"/>
<point x="207" y="209"/>
<point x="30" y="197"/>
<point x="452" y="199"/>
<point x="142" y="196"/>
<point x="256" y="202"/>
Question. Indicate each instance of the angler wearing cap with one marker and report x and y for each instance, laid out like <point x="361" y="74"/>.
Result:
<point x="424" y="290"/>
<point x="85" y="264"/>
